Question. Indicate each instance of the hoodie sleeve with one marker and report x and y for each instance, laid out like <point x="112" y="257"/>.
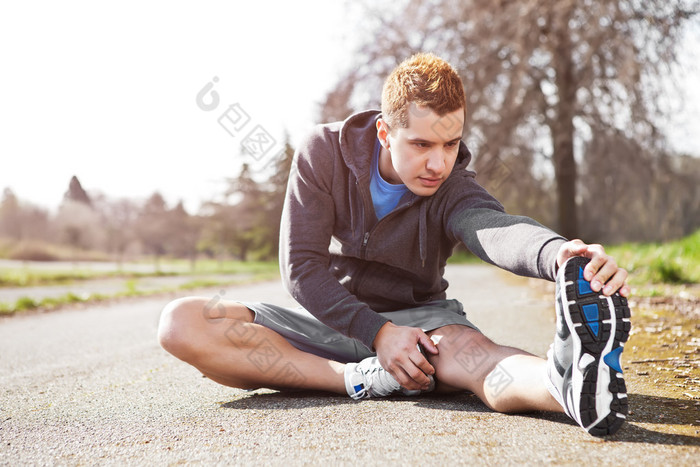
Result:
<point x="517" y="244"/>
<point x="306" y="228"/>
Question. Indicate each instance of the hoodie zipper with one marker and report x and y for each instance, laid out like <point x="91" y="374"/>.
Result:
<point x="368" y="234"/>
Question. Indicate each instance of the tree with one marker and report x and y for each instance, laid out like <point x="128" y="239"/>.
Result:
<point x="76" y="192"/>
<point x="184" y="234"/>
<point x="118" y="221"/>
<point x="152" y="227"/>
<point x="79" y="225"/>
<point x="20" y="220"/>
<point x="541" y="76"/>
<point x="10" y="214"/>
<point x="247" y="222"/>
<point x="274" y="192"/>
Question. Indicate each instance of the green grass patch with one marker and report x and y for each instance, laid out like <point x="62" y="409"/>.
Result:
<point x="130" y="290"/>
<point x="25" y="303"/>
<point x="28" y="303"/>
<point x="211" y="266"/>
<point x="462" y="256"/>
<point x="27" y="276"/>
<point x="676" y="262"/>
<point x="130" y="286"/>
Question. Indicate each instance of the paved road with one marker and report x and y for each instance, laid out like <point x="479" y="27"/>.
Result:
<point x="92" y="386"/>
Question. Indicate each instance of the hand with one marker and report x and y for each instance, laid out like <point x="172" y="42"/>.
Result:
<point x="602" y="271"/>
<point x="398" y="354"/>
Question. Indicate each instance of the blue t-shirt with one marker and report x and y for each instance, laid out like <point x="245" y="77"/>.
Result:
<point x="385" y="195"/>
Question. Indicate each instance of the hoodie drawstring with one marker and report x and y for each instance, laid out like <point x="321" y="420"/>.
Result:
<point x="423" y="232"/>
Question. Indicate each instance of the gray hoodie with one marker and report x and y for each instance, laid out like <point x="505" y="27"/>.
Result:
<point x="344" y="266"/>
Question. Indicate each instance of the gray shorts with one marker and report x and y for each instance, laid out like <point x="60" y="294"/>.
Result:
<point x="306" y="333"/>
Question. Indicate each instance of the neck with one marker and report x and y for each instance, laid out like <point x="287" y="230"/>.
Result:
<point x="386" y="168"/>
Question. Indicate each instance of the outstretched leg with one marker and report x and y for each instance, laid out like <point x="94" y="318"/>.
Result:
<point x="221" y="340"/>
<point x="506" y="379"/>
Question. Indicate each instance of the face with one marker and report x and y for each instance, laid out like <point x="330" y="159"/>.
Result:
<point x="422" y="155"/>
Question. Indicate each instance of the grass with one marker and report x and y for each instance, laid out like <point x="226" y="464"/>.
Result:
<point x="210" y="266"/>
<point x="28" y="277"/>
<point x="676" y="262"/>
<point x="28" y="303"/>
<point x="131" y="289"/>
<point x="462" y="256"/>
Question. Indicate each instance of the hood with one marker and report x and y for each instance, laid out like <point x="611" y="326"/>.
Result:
<point x="358" y="136"/>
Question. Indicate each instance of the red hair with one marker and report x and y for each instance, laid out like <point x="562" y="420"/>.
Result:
<point x="424" y="80"/>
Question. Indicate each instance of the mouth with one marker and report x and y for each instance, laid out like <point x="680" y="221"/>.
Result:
<point x="430" y="181"/>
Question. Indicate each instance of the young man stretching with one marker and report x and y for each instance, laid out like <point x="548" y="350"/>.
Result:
<point x="374" y="207"/>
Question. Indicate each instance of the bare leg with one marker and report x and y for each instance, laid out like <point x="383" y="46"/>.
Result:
<point x="220" y="339"/>
<point x="505" y="378"/>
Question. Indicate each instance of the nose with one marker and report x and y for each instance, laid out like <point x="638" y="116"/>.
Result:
<point x="435" y="163"/>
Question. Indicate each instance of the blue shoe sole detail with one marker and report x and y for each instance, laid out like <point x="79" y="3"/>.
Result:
<point x="612" y="359"/>
<point x="592" y="315"/>
<point x="594" y="328"/>
<point x="584" y="287"/>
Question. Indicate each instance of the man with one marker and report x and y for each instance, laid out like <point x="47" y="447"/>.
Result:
<point x="374" y="207"/>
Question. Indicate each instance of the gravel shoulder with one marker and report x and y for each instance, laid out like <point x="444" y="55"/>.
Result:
<point x="90" y="385"/>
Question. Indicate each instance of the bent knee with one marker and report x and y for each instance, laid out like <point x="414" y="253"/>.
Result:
<point x="186" y="323"/>
<point x="462" y="351"/>
<point x="177" y="322"/>
<point x="459" y="339"/>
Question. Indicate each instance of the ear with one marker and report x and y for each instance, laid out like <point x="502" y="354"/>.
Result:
<point x="383" y="132"/>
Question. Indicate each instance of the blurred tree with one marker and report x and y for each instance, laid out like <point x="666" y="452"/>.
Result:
<point x="245" y="214"/>
<point x="118" y="221"/>
<point x="184" y="234"/>
<point x="247" y="222"/>
<point x="76" y="192"/>
<point x="275" y="190"/>
<point x="233" y="226"/>
<point x="661" y="201"/>
<point x="79" y="225"/>
<point x="152" y="227"/>
<point x="541" y="76"/>
<point x="10" y="224"/>
<point x="22" y="221"/>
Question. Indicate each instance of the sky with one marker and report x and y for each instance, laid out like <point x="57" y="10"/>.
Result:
<point x="135" y="97"/>
<point x="108" y="91"/>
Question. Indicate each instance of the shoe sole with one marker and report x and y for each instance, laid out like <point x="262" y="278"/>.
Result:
<point x="599" y="327"/>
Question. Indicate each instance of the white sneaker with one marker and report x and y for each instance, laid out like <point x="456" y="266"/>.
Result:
<point x="368" y="379"/>
<point x="583" y="364"/>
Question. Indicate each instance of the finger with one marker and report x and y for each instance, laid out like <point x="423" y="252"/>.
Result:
<point x="422" y="363"/>
<point x="598" y="258"/>
<point x="400" y="376"/>
<point x="616" y="282"/>
<point x="577" y="247"/>
<point x="625" y="291"/>
<point x="608" y="271"/>
<point x="407" y="378"/>
<point x="569" y="250"/>
<point x="428" y="344"/>
<point x="416" y="373"/>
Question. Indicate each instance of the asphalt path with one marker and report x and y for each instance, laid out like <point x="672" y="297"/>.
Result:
<point x="91" y="385"/>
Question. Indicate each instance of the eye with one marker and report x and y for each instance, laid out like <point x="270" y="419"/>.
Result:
<point x="452" y="144"/>
<point x="422" y="145"/>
